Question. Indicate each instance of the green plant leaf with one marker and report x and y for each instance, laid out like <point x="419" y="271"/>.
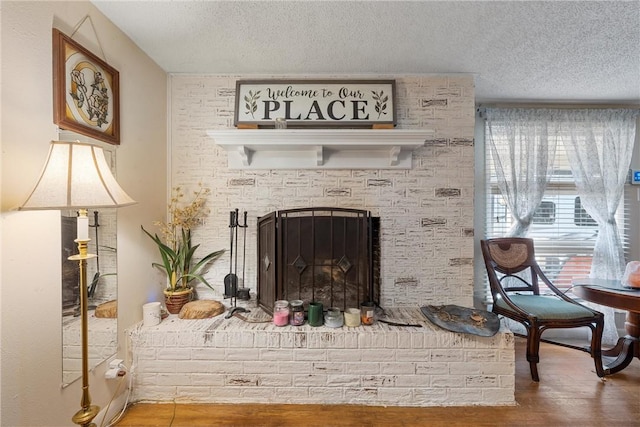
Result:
<point x="178" y="264"/>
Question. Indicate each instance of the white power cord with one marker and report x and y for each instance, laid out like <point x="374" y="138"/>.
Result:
<point x="131" y="372"/>
<point x="118" y="416"/>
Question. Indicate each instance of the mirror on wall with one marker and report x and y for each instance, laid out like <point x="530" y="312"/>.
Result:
<point x="102" y="291"/>
<point x="102" y="282"/>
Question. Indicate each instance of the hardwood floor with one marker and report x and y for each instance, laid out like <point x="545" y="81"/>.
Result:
<point x="569" y="394"/>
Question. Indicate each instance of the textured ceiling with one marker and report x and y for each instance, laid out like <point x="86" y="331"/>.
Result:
<point x="517" y="50"/>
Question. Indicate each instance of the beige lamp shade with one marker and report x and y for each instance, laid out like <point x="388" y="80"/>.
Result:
<point x="76" y="176"/>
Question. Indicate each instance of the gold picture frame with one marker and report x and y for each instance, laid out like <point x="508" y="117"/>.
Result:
<point x="86" y="90"/>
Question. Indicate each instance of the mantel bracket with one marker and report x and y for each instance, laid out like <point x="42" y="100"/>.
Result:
<point x="319" y="155"/>
<point x="394" y="154"/>
<point x="245" y="153"/>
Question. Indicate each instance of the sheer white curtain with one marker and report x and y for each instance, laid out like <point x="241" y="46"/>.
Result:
<point x="523" y="146"/>
<point x="599" y="144"/>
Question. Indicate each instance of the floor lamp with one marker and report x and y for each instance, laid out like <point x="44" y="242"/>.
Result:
<point x="76" y="176"/>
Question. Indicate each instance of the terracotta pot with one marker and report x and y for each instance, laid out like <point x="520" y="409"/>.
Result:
<point x="176" y="299"/>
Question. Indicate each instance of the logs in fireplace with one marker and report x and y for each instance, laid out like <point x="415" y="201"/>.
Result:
<point x="327" y="255"/>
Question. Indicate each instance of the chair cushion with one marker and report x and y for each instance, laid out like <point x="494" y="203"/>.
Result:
<point x="547" y="308"/>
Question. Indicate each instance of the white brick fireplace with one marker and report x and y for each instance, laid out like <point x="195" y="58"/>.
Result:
<point x="426" y="213"/>
<point x="426" y="240"/>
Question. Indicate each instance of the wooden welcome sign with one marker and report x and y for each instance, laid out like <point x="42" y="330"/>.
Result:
<point x="315" y="103"/>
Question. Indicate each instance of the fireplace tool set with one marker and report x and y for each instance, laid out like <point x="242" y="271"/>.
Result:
<point x="231" y="281"/>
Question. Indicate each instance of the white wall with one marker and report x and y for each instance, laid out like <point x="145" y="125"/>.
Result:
<point x="30" y="295"/>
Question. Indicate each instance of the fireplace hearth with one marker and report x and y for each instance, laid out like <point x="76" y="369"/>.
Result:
<point x="326" y="255"/>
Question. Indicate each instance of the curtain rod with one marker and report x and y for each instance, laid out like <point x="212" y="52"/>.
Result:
<point x="558" y="106"/>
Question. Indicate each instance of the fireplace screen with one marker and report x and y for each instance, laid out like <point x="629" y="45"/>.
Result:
<point x="323" y="255"/>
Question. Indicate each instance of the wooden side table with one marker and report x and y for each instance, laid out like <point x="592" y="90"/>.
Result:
<point x="611" y="293"/>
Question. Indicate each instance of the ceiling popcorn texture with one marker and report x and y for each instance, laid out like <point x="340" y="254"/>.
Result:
<point x="569" y="51"/>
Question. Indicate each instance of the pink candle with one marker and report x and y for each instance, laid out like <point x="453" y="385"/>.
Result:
<point x="281" y="318"/>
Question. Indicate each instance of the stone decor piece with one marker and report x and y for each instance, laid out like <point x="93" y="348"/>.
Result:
<point x="201" y="309"/>
<point x="107" y="310"/>
<point x="462" y="319"/>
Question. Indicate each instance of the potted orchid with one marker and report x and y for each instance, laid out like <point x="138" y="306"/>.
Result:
<point x="177" y="251"/>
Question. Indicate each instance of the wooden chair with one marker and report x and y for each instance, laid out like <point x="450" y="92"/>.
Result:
<point x="514" y="275"/>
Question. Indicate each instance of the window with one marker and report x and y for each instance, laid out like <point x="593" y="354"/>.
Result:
<point x="580" y="216"/>
<point x="545" y="213"/>
<point x="563" y="231"/>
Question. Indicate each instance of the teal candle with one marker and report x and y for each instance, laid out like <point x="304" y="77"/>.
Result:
<point x="314" y="316"/>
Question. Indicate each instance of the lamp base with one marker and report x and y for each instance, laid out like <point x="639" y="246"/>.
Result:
<point x="84" y="416"/>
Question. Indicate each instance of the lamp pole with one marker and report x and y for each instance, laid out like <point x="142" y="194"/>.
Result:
<point x="87" y="412"/>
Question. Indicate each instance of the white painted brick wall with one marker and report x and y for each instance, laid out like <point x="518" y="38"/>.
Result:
<point x="427" y="235"/>
<point x="195" y="361"/>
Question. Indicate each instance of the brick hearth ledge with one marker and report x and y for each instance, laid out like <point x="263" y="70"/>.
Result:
<point x="222" y="360"/>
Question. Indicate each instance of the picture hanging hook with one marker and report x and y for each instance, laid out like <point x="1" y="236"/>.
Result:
<point x="95" y="33"/>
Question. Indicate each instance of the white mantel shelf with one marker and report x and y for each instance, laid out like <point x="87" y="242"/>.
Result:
<point x="320" y="148"/>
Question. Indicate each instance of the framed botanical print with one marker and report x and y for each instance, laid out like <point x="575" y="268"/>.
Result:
<point x="86" y="96"/>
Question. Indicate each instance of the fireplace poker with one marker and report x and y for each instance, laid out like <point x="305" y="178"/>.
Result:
<point x="243" y="291"/>
<point x="235" y="268"/>
<point x="231" y="280"/>
<point x="96" y="277"/>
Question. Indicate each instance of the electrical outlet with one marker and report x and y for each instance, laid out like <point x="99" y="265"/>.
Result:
<point x="112" y="373"/>
<point x="115" y="364"/>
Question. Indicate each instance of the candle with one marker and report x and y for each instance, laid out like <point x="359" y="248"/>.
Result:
<point x="334" y="318"/>
<point x="296" y="317"/>
<point x="367" y="311"/>
<point x="315" y="314"/>
<point x="82" y="230"/>
<point x="352" y="317"/>
<point x="281" y="313"/>
<point x="281" y="318"/>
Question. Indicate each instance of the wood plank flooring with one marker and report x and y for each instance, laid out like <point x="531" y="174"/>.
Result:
<point x="569" y="394"/>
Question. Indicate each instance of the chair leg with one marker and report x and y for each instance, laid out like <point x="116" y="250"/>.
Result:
<point x="533" y="349"/>
<point x="596" y="346"/>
